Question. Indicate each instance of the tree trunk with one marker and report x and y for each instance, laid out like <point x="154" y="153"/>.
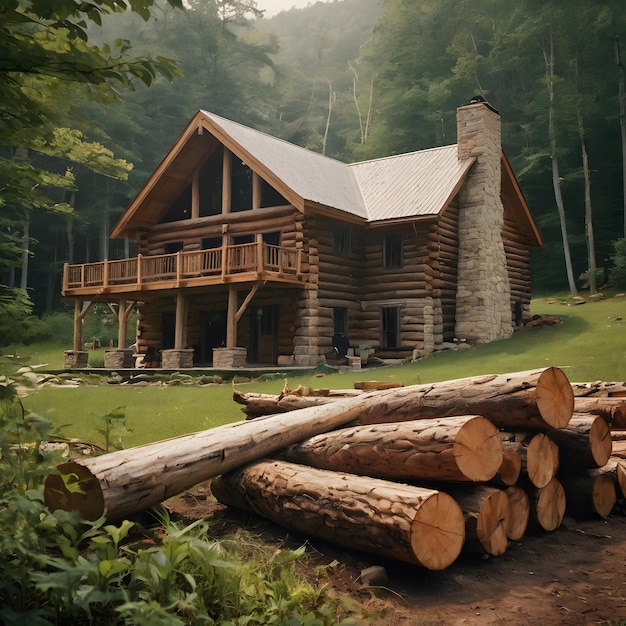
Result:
<point x="540" y="399"/>
<point x="547" y="505"/>
<point x="127" y="481"/>
<point x="420" y="526"/>
<point x="591" y="246"/>
<point x="486" y="511"/>
<point x="622" y="122"/>
<point x="464" y="448"/>
<point x="519" y="516"/>
<point x="539" y="456"/>
<point x="584" y="443"/>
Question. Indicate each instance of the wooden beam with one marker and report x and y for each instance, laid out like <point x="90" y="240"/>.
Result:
<point x="180" y="336"/>
<point x="226" y="182"/>
<point x="246" y="302"/>
<point x="195" y="194"/>
<point x="79" y="315"/>
<point x="231" y="317"/>
<point x="256" y="191"/>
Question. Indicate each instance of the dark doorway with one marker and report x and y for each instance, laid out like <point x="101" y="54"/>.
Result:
<point x="213" y="334"/>
<point x="263" y="326"/>
<point x="168" y="331"/>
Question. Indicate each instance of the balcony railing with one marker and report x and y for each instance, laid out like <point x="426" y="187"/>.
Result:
<point x="216" y="265"/>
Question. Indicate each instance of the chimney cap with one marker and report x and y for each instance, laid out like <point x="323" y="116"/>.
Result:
<point x="480" y="100"/>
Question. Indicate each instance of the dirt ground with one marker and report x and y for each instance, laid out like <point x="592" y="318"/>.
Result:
<point x="574" y="576"/>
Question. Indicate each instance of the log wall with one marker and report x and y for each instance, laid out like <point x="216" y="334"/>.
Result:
<point x="517" y="253"/>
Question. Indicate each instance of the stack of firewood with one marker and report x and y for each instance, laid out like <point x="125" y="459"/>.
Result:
<point x="418" y="473"/>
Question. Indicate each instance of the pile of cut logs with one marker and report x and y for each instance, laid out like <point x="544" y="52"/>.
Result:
<point x="417" y="473"/>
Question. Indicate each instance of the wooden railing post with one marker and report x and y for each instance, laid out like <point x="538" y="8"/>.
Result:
<point x="179" y="261"/>
<point x="139" y="269"/>
<point x="259" y="254"/>
<point x="105" y="273"/>
<point x="66" y="276"/>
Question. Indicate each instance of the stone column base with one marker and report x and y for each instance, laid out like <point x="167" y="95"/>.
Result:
<point x="116" y="359"/>
<point x="75" y="359"/>
<point x="227" y="358"/>
<point x="177" y="359"/>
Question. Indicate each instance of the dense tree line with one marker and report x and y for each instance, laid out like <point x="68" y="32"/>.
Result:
<point x="353" y="79"/>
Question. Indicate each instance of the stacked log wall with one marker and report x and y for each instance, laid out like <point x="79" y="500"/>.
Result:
<point x="517" y="253"/>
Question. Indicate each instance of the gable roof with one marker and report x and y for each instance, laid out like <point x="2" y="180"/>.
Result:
<point x="413" y="185"/>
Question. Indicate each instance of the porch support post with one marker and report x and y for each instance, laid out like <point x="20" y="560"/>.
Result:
<point x="180" y="336"/>
<point x="231" y="317"/>
<point x="78" y="325"/>
<point x="122" y="324"/>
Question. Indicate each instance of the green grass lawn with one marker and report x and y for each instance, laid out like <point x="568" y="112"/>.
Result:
<point x="589" y="345"/>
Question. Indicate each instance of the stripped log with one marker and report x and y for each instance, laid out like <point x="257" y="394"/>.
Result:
<point x="486" y="511"/>
<point x="537" y="399"/>
<point x="420" y="526"/>
<point x="613" y="410"/>
<point x="588" y="493"/>
<point x="128" y="481"/>
<point x="539" y="456"/>
<point x="585" y="442"/>
<point x="519" y="514"/>
<point x="463" y="448"/>
<point x="547" y="505"/>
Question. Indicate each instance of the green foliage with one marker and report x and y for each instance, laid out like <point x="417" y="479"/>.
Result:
<point x="617" y="274"/>
<point x="56" y="568"/>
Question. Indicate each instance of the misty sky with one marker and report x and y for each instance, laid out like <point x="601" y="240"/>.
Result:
<point x="272" y="7"/>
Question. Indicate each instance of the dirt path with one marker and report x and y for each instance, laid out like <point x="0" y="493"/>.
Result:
<point x="575" y="576"/>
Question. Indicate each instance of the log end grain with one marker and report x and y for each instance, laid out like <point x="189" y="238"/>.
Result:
<point x="621" y="477"/>
<point x="603" y="495"/>
<point x="542" y="460"/>
<point x="74" y="488"/>
<point x="519" y="517"/>
<point x="555" y="397"/>
<point x="492" y="523"/>
<point x="600" y="442"/>
<point x="548" y="506"/>
<point x="438" y="532"/>
<point x="478" y="450"/>
<point x="510" y="468"/>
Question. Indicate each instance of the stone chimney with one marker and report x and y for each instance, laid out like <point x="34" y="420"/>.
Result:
<point x="483" y="299"/>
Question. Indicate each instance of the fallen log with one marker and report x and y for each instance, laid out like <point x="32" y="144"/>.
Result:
<point x="420" y="526"/>
<point x="584" y="443"/>
<point x="613" y="409"/>
<point x="537" y="399"/>
<point x="128" y="481"/>
<point x="519" y="515"/>
<point x="539" y="456"/>
<point x="589" y="493"/>
<point x="486" y="511"/>
<point x="547" y="505"/>
<point x="462" y="448"/>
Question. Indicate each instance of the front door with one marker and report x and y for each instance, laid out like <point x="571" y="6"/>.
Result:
<point x="264" y="321"/>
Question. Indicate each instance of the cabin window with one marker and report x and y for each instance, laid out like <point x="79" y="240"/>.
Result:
<point x="390" y="327"/>
<point x="173" y="247"/>
<point x="211" y="176"/>
<point x="180" y="209"/>
<point x="392" y="251"/>
<point x="272" y="238"/>
<point x="241" y="194"/>
<point x="342" y="240"/>
<point x="271" y="197"/>
<point x="210" y="243"/>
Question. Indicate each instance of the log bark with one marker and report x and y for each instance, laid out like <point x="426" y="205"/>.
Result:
<point x="463" y="448"/>
<point x="539" y="399"/>
<point x="613" y="409"/>
<point x="420" y="526"/>
<point x="519" y="515"/>
<point x="584" y="443"/>
<point x="590" y="493"/>
<point x="127" y="481"/>
<point x="539" y="456"/>
<point x="486" y="511"/>
<point x="547" y="505"/>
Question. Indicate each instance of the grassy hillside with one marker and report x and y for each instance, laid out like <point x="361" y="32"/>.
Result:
<point x="590" y="345"/>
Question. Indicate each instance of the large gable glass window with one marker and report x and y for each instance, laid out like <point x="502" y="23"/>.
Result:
<point x="392" y="251"/>
<point x="241" y="196"/>
<point x="341" y="240"/>
<point x="390" y="327"/>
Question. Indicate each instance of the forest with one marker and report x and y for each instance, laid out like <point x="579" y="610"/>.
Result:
<point x="93" y="95"/>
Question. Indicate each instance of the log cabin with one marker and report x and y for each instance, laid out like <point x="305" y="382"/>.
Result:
<point x="252" y="250"/>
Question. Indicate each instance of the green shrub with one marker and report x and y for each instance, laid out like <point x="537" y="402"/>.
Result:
<point x="618" y="271"/>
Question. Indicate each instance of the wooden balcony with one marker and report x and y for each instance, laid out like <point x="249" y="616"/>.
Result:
<point x="237" y="263"/>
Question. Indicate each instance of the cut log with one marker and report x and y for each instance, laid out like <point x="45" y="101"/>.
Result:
<point x="519" y="515"/>
<point x="537" y="399"/>
<point x="613" y="410"/>
<point x="420" y="526"/>
<point x="486" y="511"/>
<point x="547" y="505"/>
<point x="584" y="443"/>
<point x="376" y="385"/>
<point x="539" y="456"/>
<point x="510" y="468"/>
<point x="128" y="481"/>
<point x="463" y="448"/>
<point x="589" y="493"/>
